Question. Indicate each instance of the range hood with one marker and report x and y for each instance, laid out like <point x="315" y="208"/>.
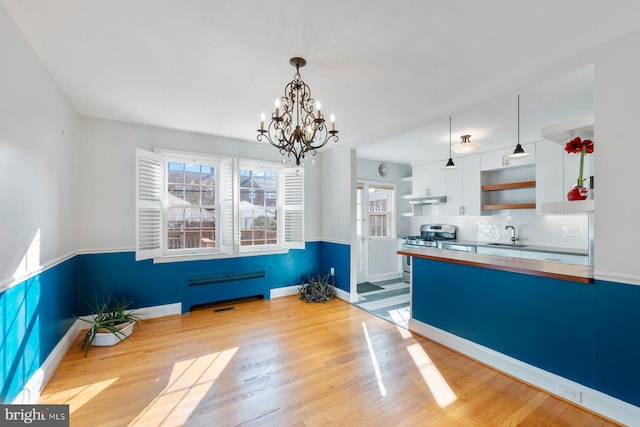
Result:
<point x="428" y="200"/>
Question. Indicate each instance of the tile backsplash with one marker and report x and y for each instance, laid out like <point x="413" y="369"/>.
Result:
<point x="563" y="231"/>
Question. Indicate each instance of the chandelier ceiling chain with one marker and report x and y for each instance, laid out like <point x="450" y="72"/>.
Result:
<point x="299" y="131"/>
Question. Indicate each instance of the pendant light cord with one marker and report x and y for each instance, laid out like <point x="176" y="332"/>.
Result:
<point x="518" y="119"/>
<point x="449" y="137"/>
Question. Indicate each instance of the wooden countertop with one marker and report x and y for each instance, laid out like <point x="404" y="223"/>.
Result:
<point x="555" y="270"/>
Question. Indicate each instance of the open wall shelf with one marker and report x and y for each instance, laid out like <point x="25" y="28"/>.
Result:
<point x="508" y="206"/>
<point x="509" y="186"/>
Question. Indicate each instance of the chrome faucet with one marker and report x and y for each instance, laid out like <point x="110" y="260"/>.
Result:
<point x="514" y="238"/>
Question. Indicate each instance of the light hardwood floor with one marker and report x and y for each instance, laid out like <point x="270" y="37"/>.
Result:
<point x="284" y="362"/>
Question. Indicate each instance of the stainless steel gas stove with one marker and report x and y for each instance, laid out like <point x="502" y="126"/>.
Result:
<point x="430" y="235"/>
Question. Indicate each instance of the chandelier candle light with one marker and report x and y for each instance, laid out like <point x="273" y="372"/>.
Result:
<point x="577" y="145"/>
<point x="298" y="131"/>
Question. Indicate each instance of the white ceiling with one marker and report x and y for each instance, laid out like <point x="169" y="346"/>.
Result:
<point x="392" y="72"/>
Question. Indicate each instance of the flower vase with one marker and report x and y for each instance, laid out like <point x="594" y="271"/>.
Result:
<point x="577" y="193"/>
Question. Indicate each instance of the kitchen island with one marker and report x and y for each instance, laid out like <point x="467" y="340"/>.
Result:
<point x="548" y="323"/>
<point x="557" y="270"/>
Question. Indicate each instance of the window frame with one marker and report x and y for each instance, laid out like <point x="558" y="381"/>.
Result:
<point x="189" y="160"/>
<point x="391" y="213"/>
<point x="269" y="168"/>
<point x="151" y="207"/>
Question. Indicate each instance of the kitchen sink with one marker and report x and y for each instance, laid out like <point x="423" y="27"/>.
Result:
<point x="506" y="245"/>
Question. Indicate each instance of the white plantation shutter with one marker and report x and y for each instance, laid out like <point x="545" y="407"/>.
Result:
<point x="293" y="208"/>
<point x="149" y="172"/>
<point x="228" y="226"/>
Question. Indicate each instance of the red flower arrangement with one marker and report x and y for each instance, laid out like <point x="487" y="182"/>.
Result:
<point x="577" y="145"/>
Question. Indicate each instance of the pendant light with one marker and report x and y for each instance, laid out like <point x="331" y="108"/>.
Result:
<point x="519" y="151"/>
<point x="450" y="164"/>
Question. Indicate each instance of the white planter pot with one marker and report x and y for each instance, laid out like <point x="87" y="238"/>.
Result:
<point x="104" y="339"/>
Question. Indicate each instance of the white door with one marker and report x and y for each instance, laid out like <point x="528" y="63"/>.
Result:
<point x="361" y="251"/>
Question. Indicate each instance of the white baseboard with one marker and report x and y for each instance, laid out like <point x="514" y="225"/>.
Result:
<point x="343" y="295"/>
<point x="36" y="383"/>
<point x="159" y="310"/>
<point x="293" y="290"/>
<point x="283" y="292"/>
<point x="611" y="276"/>
<point x="590" y="399"/>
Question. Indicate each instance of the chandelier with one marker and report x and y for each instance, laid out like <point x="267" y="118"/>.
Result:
<point x="295" y="130"/>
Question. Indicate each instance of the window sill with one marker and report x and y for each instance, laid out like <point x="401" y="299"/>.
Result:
<point x="204" y="257"/>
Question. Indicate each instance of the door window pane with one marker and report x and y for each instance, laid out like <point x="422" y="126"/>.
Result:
<point x="380" y="200"/>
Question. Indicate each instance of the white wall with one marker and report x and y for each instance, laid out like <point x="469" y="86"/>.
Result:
<point x="337" y="187"/>
<point x="107" y="176"/>
<point x="38" y="157"/>
<point x="616" y="92"/>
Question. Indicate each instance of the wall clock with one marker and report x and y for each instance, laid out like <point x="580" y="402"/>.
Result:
<point x="382" y="170"/>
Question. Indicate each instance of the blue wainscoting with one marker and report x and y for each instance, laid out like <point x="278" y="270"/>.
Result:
<point x="148" y="284"/>
<point x="34" y="316"/>
<point x="589" y="333"/>
<point x="338" y="256"/>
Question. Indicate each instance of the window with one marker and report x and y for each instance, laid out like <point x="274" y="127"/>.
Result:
<point x="258" y="206"/>
<point x="380" y="202"/>
<point x="198" y="205"/>
<point x="190" y="201"/>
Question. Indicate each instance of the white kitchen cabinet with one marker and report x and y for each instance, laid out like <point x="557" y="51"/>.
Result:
<point x="470" y="188"/>
<point x="437" y="179"/>
<point x="549" y="173"/>
<point x="496" y="159"/>
<point x="557" y="257"/>
<point x="454" y="190"/>
<point x="420" y="177"/>
<point x="429" y="179"/>
<point x="488" y="250"/>
<point x="463" y="192"/>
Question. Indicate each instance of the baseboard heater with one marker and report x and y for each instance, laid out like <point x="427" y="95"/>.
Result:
<point x="225" y="288"/>
<point x="225" y="278"/>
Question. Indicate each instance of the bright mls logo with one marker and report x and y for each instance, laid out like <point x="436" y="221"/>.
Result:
<point x="36" y="415"/>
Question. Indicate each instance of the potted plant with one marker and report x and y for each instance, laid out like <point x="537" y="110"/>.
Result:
<point x="318" y="289"/>
<point x="582" y="147"/>
<point x="111" y="323"/>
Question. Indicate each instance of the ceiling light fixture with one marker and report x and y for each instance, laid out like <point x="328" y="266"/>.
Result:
<point x="450" y="164"/>
<point x="298" y="131"/>
<point x="465" y="146"/>
<point x="519" y="151"/>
